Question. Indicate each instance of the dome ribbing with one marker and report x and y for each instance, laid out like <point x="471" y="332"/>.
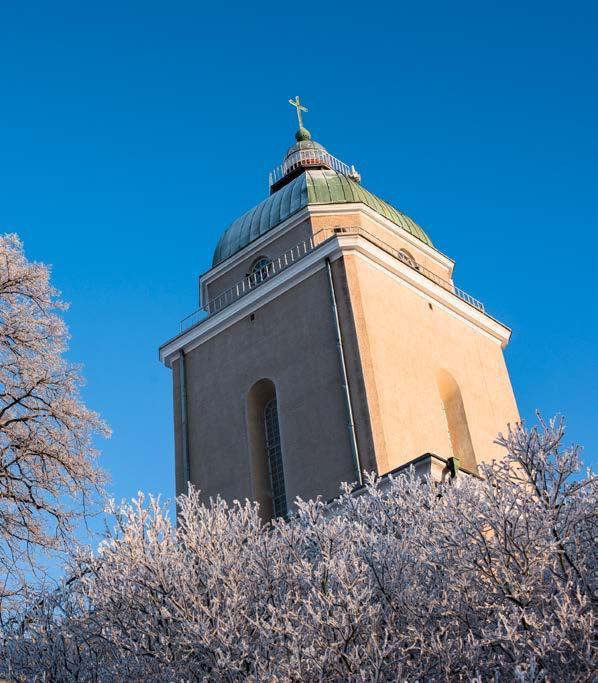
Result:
<point x="312" y="187"/>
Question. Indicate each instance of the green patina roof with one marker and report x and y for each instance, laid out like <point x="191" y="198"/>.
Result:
<point x="311" y="187"/>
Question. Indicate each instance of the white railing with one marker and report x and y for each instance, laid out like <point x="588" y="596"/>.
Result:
<point x="251" y="282"/>
<point x="402" y="256"/>
<point x="309" y="157"/>
<point x="469" y="299"/>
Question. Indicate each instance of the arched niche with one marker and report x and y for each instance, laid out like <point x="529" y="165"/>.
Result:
<point x="456" y="420"/>
<point x="267" y="475"/>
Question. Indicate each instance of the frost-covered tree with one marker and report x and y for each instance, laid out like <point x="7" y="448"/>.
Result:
<point x="47" y="465"/>
<point x="489" y="579"/>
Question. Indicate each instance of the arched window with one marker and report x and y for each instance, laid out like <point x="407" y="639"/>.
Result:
<point x="267" y="473"/>
<point x="260" y="270"/>
<point x="456" y="420"/>
<point x="274" y="457"/>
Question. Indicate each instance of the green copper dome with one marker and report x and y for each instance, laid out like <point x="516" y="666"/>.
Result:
<point x="312" y="187"/>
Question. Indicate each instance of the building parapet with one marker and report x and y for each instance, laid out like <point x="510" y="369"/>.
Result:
<point x="298" y="252"/>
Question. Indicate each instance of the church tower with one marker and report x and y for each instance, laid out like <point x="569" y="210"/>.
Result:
<point x="330" y="339"/>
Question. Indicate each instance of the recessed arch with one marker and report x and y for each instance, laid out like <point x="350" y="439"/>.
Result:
<point x="267" y="470"/>
<point x="456" y="419"/>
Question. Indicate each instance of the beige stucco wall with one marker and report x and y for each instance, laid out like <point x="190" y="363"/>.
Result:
<point x="319" y="226"/>
<point x="402" y="351"/>
<point x="389" y="234"/>
<point x="407" y="340"/>
<point x="291" y="341"/>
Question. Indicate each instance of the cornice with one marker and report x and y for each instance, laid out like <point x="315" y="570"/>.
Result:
<point x="433" y="292"/>
<point x="205" y="279"/>
<point x="392" y="228"/>
<point x="266" y="292"/>
<point x="335" y="248"/>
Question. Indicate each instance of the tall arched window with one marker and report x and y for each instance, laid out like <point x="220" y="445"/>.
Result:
<point x="456" y="420"/>
<point x="267" y="473"/>
<point x="274" y="456"/>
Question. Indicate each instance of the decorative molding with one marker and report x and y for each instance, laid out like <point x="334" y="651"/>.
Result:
<point x="432" y="292"/>
<point x="382" y="221"/>
<point x="205" y="279"/>
<point x="307" y="266"/>
<point x="266" y="292"/>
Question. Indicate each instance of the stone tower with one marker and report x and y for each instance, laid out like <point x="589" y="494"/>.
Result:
<point x="330" y="339"/>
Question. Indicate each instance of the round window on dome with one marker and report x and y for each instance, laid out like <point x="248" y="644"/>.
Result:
<point x="260" y="270"/>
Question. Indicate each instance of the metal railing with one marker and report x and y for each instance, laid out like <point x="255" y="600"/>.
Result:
<point x="309" y="157"/>
<point x="407" y="260"/>
<point x="251" y="282"/>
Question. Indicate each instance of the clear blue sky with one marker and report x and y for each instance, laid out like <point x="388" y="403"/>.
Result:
<point x="133" y="133"/>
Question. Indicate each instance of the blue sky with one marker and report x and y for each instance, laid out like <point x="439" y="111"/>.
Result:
<point x="132" y="134"/>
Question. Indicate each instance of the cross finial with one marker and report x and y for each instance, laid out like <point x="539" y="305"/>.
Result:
<point x="297" y="104"/>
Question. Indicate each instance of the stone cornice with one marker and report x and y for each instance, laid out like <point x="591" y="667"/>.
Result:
<point x="392" y="228"/>
<point x="334" y="248"/>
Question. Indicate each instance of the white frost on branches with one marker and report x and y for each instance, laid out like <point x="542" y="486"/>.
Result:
<point x="47" y="465"/>
<point x="482" y="580"/>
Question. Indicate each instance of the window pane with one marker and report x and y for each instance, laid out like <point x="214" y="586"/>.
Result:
<point x="274" y="455"/>
<point x="260" y="271"/>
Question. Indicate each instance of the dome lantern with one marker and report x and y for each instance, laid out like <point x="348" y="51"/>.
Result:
<point x="306" y="153"/>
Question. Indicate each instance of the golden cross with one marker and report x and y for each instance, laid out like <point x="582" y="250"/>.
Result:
<point x="297" y="104"/>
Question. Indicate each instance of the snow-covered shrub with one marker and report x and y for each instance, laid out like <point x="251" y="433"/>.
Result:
<point x="490" y="579"/>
